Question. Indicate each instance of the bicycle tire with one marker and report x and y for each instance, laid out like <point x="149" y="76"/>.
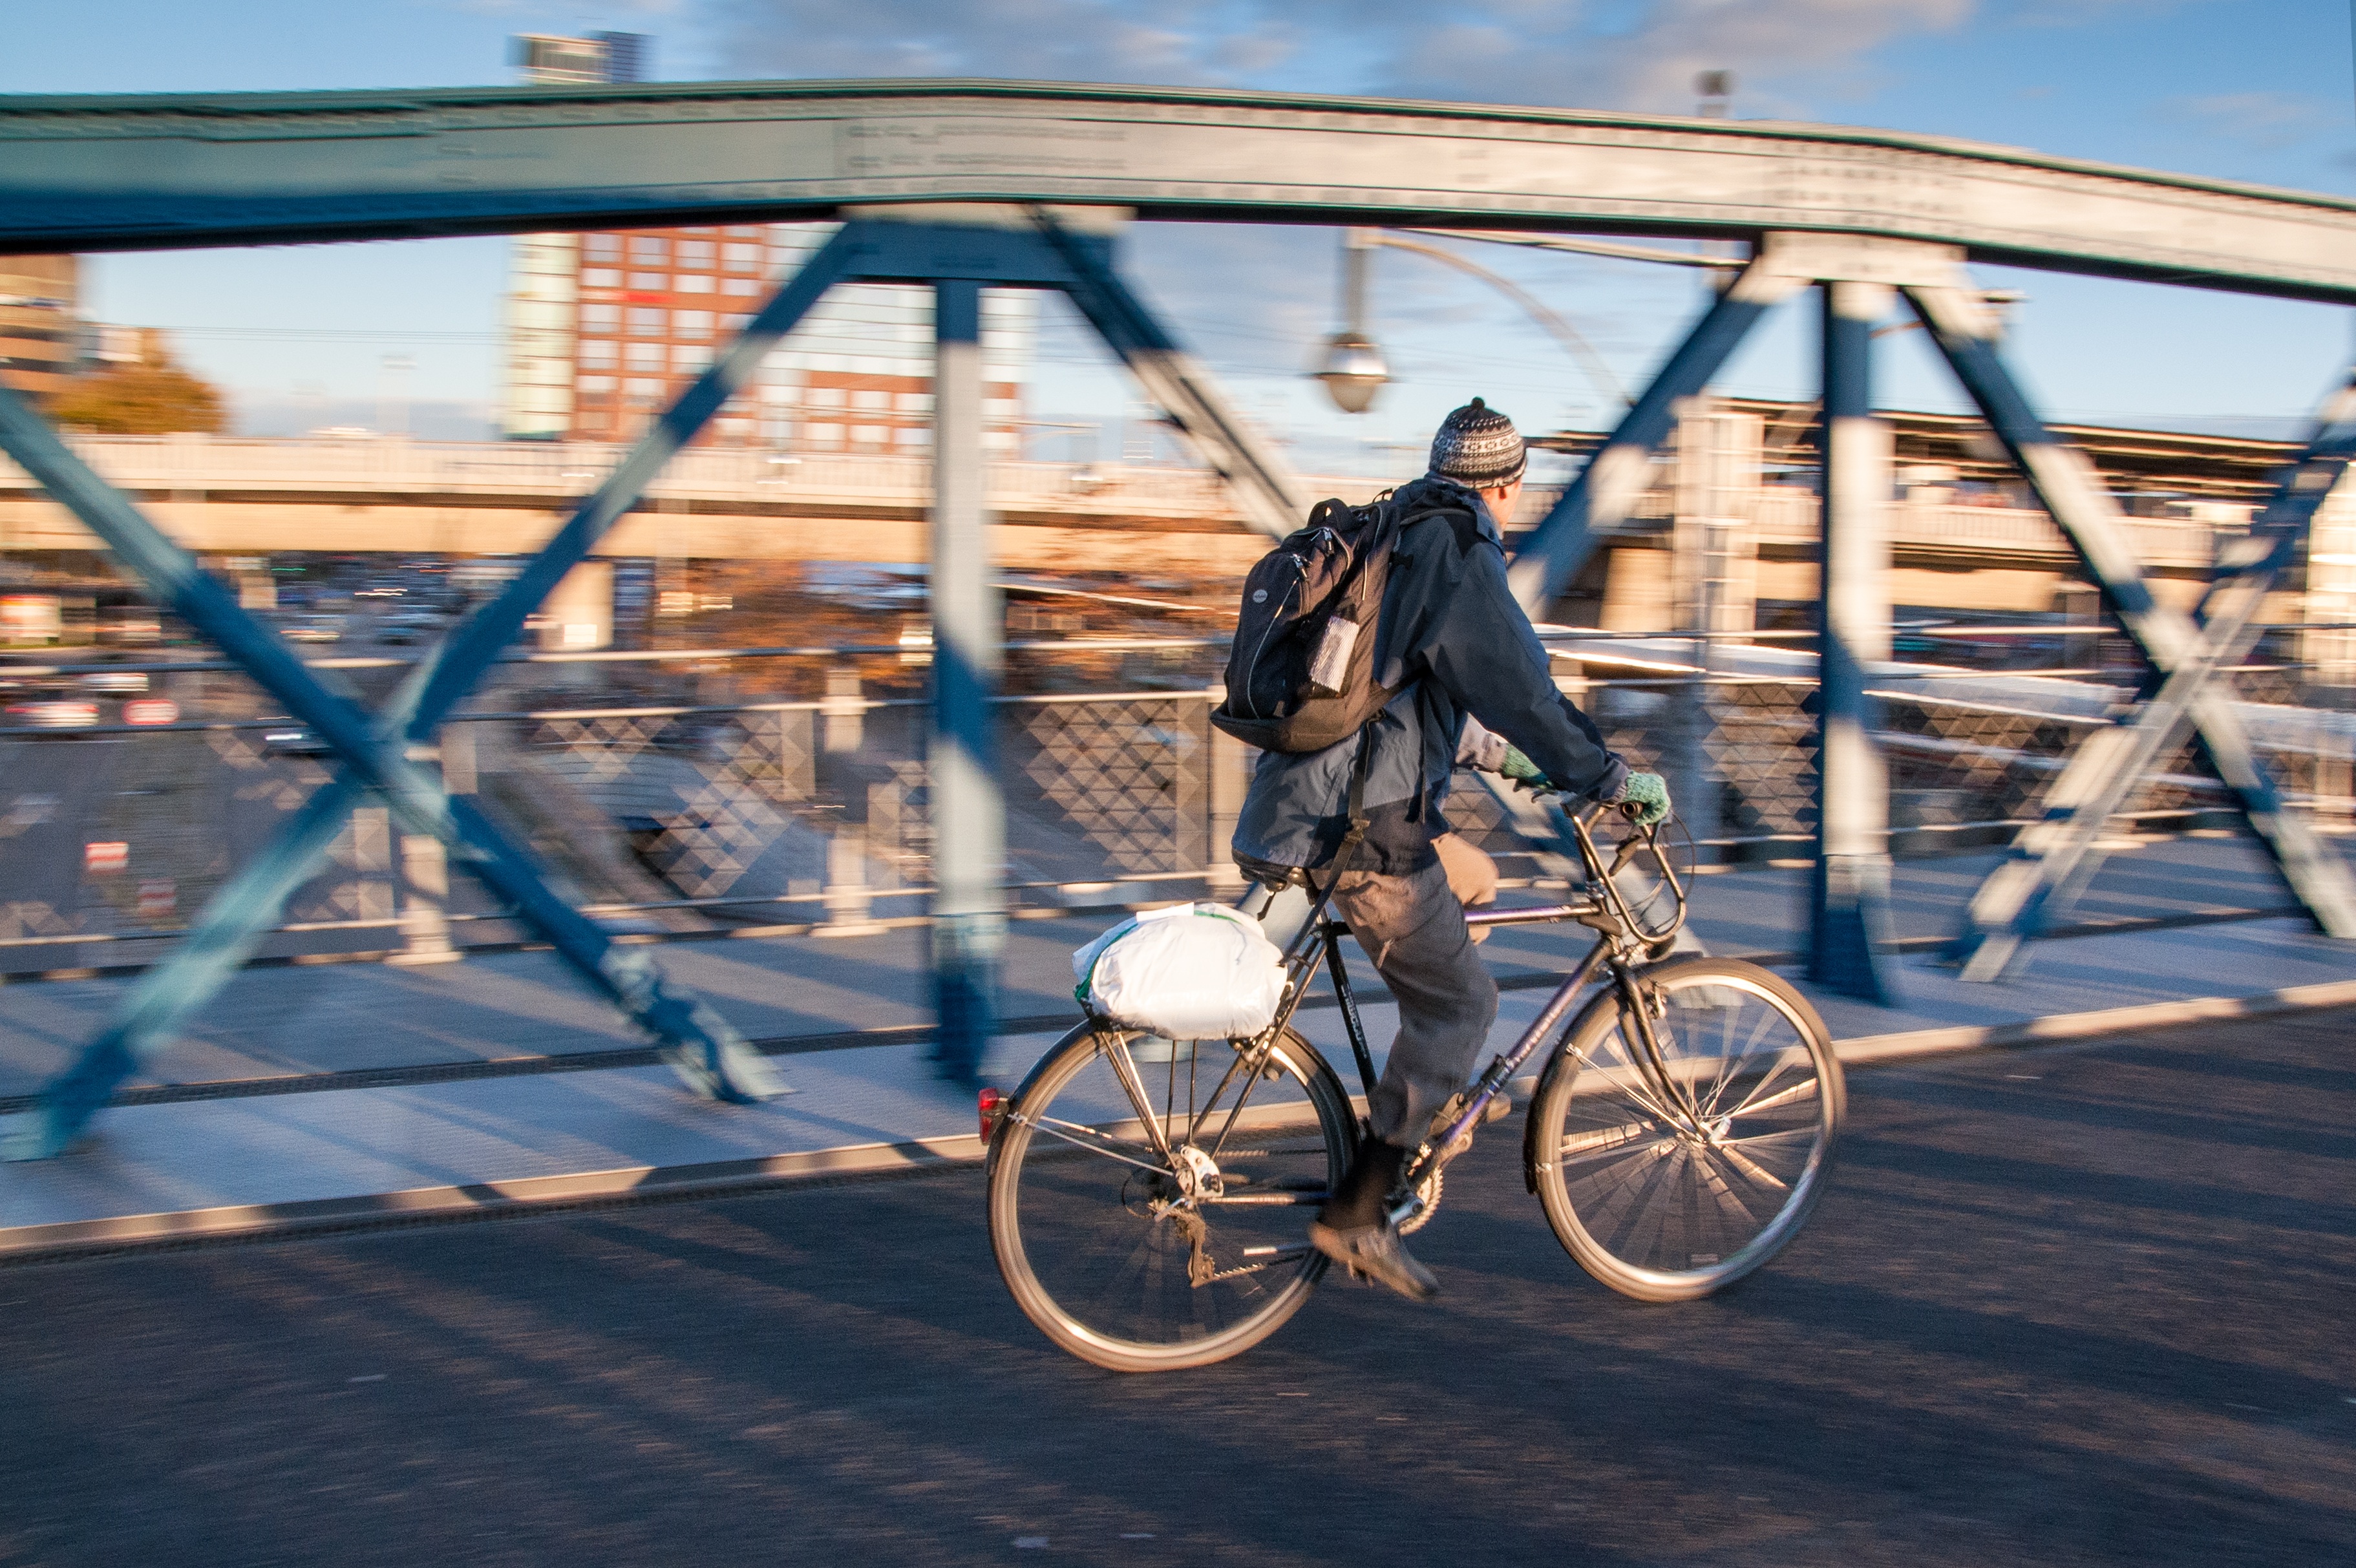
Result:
<point x="1665" y="1207"/>
<point x="1088" y="1260"/>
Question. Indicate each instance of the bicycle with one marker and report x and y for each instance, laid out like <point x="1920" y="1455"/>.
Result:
<point x="1682" y="1128"/>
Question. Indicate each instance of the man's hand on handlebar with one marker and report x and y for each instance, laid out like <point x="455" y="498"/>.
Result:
<point x="1644" y="799"/>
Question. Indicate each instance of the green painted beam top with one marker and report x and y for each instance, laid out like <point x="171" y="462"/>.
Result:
<point x="148" y="171"/>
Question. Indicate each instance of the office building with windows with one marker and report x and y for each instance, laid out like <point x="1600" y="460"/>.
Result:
<point x="604" y="329"/>
<point x="40" y="332"/>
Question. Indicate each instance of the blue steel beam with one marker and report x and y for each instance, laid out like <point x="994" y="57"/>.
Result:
<point x="701" y="1045"/>
<point x="1848" y="902"/>
<point x="2053" y="861"/>
<point x="969" y="813"/>
<point x="1270" y="496"/>
<point x="376" y="754"/>
<point x="1606" y="490"/>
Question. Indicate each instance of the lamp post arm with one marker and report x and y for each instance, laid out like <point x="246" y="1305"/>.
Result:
<point x="1556" y="326"/>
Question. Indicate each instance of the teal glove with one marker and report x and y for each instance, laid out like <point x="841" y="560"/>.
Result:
<point x="1524" y="772"/>
<point x="1648" y="795"/>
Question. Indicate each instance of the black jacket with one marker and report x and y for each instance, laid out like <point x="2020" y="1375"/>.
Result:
<point x="1451" y="627"/>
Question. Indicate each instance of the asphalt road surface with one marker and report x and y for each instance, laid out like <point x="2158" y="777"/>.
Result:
<point x="2086" y="1305"/>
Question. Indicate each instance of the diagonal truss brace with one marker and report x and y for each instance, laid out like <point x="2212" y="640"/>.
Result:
<point x="2053" y="862"/>
<point x="381" y="755"/>
<point x="1271" y="500"/>
<point x="1606" y="490"/>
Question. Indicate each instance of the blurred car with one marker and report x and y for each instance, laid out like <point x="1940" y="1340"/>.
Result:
<point x="53" y="713"/>
<point x="116" y="680"/>
<point x="295" y="743"/>
<point x="313" y="632"/>
<point x="398" y="634"/>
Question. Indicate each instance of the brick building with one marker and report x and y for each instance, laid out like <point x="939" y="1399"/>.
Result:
<point x="604" y="328"/>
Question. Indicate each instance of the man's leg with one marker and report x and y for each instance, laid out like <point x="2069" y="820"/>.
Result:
<point x="1413" y="929"/>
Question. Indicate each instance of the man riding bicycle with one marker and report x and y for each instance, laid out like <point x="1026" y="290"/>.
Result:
<point x="1455" y="646"/>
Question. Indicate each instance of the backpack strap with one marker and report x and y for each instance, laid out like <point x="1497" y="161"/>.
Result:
<point x="1346" y="852"/>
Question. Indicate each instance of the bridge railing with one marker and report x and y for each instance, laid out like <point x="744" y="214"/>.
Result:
<point x="559" y="471"/>
<point x="784" y="794"/>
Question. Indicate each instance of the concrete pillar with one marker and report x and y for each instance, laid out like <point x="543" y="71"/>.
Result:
<point x="1715" y="483"/>
<point x="1848" y="926"/>
<point x="1231" y="769"/>
<point x="969" y="814"/>
<point x="579" y="615"/>
<point x="424" y="904"/>
<point x="842" y="715"/>
<point x="848" y="900"/>
<point x="372" y="832"/>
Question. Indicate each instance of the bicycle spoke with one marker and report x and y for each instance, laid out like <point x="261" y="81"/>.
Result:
<point x="1095" y="1142"/>
<point x="1750" y="1168"/>
<point x="1754" y="1140"/>
<point x="1134" y="1260"/>
<point x="1666" y="1184"/>
<point x="1600" y="1142"/>
<point x="1727" y="1068"/>
<point x="1791" y="1095"/>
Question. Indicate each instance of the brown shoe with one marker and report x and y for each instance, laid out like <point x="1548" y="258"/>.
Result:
<point x="1376" y="1253"/>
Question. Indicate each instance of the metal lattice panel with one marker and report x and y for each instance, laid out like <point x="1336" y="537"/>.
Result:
<point x="1129" y="775"/>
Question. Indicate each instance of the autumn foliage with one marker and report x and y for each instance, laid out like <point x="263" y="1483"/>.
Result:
<point x="153" y="397"/>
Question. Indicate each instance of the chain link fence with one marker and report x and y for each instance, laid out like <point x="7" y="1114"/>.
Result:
<point x="785" y="794"/>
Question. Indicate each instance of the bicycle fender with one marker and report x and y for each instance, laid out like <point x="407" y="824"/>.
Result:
<point x="1023" y="1090"/>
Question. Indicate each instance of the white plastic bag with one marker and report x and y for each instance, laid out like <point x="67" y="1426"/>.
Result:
<point x="1197" y="971"/>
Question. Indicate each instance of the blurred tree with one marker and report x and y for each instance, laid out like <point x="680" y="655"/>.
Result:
<point x="143" y="393"/>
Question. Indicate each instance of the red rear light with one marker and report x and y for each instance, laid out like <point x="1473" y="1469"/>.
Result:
<point x="994" y="1104"/>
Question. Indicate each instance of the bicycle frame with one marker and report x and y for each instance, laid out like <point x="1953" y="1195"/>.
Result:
<point x="1622" y="946"/>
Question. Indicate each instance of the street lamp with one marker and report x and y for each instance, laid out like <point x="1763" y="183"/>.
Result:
<point x="1352" y="370"/>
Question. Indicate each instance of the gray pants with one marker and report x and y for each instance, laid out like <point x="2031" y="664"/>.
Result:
<point x="1413" y="929"/>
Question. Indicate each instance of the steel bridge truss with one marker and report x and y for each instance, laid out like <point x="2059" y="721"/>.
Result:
<point x="923" y="173"/>
<point x="2053" y="862"/>
<point x="390" y="753"/>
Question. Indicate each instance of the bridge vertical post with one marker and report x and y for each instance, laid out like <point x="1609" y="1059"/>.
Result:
<point x="969" y="813"/>
<point x="1848" y="905"/>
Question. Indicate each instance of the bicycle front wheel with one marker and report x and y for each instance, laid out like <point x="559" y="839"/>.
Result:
<point x="1149" y="1199"/>
<point x="1673" y="1178"/>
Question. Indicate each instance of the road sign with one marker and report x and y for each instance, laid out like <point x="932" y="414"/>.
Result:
<point x="101" y="860"/>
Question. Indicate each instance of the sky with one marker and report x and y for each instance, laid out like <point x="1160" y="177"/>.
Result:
<point x="2253" y="90"/>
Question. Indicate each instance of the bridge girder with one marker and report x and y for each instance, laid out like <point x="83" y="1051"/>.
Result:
<point x="166" y="171"/>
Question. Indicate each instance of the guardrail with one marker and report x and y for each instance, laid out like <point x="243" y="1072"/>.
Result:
<point x="550" y="475"/>
<point x="686" y="812"/>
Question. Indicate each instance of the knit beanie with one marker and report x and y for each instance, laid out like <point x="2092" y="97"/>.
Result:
<point x="1479" y="448"/>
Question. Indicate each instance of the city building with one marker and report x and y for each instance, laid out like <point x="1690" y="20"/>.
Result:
<point x="40" y="332"/>
<point x="604" y="328"/>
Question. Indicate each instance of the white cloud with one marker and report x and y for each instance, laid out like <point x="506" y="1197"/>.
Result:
<point x="1587" y="53"/>
<point x="2264" y="119"/>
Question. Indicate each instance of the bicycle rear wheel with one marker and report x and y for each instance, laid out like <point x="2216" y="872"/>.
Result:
<point x="1151" y="1253"/>
<point x="1669" y="1184"/>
